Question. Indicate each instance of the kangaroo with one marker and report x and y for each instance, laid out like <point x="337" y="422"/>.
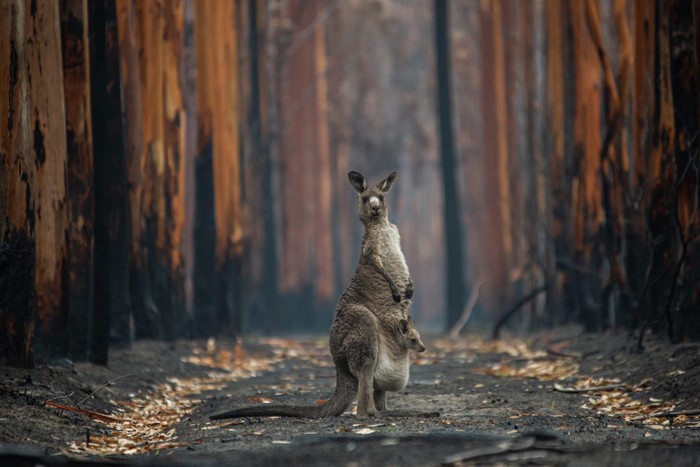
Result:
<point x="391" y="375"/>
<point x="371" y="332"/>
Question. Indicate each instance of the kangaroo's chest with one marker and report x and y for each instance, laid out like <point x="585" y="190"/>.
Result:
<point x="391" y="371"/>
<point x="389" y="243"/>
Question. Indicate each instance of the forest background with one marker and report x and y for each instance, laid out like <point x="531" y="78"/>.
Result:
<point x="178" y="168"/>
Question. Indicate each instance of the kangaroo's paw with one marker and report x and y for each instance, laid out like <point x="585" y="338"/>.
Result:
<point x="409" y="290"/>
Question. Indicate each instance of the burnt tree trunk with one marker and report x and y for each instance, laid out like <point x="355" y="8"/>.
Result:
<point x="556" y="195"/>
<point x="456" y="285"/>
<point x="81" y="198"/>
<point x="17" y="192"/>
<point x="259" y="260"/>
<point x="498" y="241"/>
<point x="33" y="216"/>
<point x="152" y="41"/>
<point x="218" y="268"/>
<point x="46" y="114"/>
<point x="660" y="175"/>
<point x="112" y="301"/>
<point x="683" y="300"/>
<point x="145" y="312"/>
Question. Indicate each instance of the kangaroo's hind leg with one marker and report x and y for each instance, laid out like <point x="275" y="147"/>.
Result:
<point x="354" y="344"/>
<point x="362" y="362"/>
<point x="380" y="399"/>
<point x="365" y="397"/>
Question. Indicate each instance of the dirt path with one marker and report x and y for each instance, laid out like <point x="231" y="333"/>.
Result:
<point x="499" y="401"/>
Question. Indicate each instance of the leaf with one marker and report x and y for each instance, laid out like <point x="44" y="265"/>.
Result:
<point x="261" y="400"/>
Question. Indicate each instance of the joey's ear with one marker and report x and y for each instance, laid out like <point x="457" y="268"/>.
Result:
<point x="385" y="185"/>
<point x="403" y="325"/>
<point x="357" y="181"/>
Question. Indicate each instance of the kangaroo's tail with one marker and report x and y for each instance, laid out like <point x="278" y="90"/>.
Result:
<point x="345" y="390"/>
<point x="272" y="410"/>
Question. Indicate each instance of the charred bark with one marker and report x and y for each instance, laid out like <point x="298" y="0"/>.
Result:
<point x="216" y="39"/>
<point x="81" y="201"/>
<point x="17" y="195"/>
<point x="455" y="277"/>
<point x="112" y="300"/>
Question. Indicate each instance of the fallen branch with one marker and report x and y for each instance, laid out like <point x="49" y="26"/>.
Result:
<point x="507" y="315"/>
<point x="676" y="413"/>
<point x="65" y="396"/>
<point x="467" y="312"/>
<point x="531" y="442"/>
<point x="608" y="387"/>
<point x="561" y="353"/>
<point x="104" y="385"/>
<point x="88" y="413"/>
<point x="499" y="448"/>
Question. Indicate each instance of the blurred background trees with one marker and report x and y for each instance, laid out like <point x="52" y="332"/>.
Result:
<point x="177" y="168"/>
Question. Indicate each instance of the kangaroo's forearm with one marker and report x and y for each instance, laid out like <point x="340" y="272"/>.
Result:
<point x="378" y="266"/>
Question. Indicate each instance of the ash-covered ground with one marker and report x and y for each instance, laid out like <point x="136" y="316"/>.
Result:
<point x="560" y="398"/>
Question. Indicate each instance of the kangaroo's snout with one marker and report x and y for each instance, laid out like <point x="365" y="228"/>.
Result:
<point x="374" y="205"/>
<point x="421" y="349"/>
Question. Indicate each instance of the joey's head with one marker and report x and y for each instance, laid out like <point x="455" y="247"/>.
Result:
<point x="371" y="199"/>
<point x="411" y="337"/>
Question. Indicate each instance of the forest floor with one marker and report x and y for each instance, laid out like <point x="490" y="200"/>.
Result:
<point x="561" y="398"/>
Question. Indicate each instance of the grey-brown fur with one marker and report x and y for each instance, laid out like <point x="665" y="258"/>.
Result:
<point x="371" y="332"/>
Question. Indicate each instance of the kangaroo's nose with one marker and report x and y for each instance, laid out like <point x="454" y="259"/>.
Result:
<point x="374" y="204"/>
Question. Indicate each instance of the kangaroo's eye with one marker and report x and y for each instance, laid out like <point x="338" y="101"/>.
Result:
<point x="413" y="339"/>
<point x="364" y="199"/>
<point x="381" y="198"/>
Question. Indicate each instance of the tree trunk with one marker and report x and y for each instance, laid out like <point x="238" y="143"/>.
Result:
<point x="258" y="296"/>
<point x="33" y="216"/>
<point x="47" y="123"/>
<point x="323" y="280"/>
<point x="660" y="175"/>
<point x="498" y="240"/>
<point x="217" y="117"/>
<point x="17" y="192"/>
<point x="639" y="246"/>
<point x="586" y="191"/>
<point x="129" y="18"/>
<point x="558" y="205"/>
<point x="153" y="48"/>
<point x="456" y="285"/>
<point x="112" y="300"/>
<point x="171" y="194"/>
<point x="81" y="196"/>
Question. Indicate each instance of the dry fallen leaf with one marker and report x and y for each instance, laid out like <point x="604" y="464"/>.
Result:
<point x="261" y="400"/>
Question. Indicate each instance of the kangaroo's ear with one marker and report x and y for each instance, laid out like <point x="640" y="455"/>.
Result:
<point x="403" y="325"/>
<point x="357" y="181"/>
<point x="385" y="185"/>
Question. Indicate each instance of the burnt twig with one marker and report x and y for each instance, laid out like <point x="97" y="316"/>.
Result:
<point x="104" y="385"/>
<point x="608" y="387"/>
<point x="675" y="413"/>
<point x="467" y="312"/>
<point x="507" y="315"/>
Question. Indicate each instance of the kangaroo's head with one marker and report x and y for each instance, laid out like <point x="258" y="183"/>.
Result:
<point x="371" y="199"/>
<point x="411" y="337"/>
